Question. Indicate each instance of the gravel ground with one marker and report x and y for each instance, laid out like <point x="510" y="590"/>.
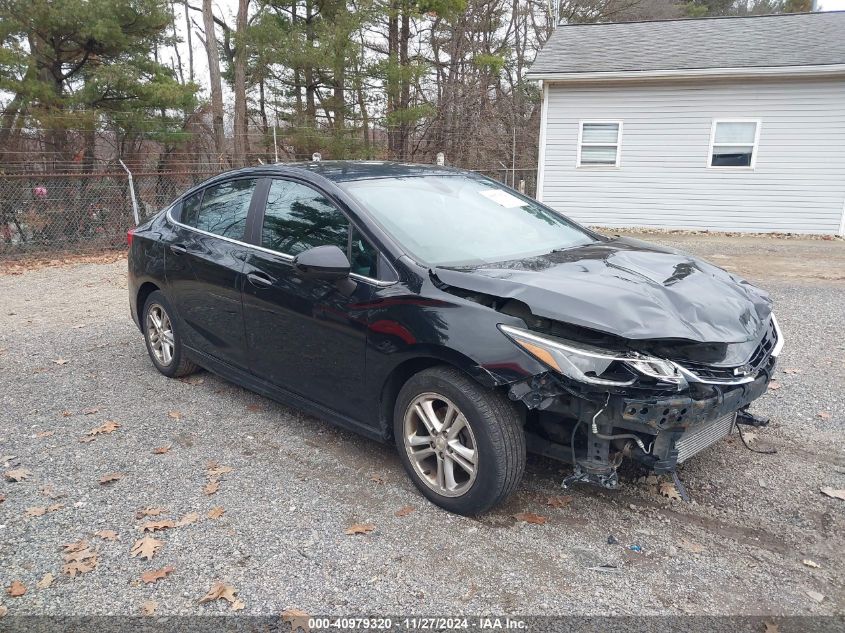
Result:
<point x="298" y="483"/>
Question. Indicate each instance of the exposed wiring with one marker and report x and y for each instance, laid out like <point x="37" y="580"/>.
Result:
<point x="621" y="436"/>
<point x="768" y="451"/>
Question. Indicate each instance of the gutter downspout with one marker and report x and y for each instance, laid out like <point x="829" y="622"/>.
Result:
<point x="541" y="159"/>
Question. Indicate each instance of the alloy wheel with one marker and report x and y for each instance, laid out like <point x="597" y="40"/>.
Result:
<point x="160" y="334"/>
<point x="440" y="444"/>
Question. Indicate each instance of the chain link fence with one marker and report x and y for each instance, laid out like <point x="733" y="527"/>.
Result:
<point x="48" y="214"/>
<point x="44" y="213"/>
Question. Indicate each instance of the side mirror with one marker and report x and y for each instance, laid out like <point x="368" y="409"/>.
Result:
<point x="322" y="262"/>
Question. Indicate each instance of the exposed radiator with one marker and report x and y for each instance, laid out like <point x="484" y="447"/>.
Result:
<point x="697" y="439"/>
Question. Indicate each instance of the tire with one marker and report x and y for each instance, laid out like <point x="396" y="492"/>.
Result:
<point x="486" y="428"/>
<point x="174" y="364"/>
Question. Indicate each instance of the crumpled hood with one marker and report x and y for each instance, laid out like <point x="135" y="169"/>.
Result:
<point x="628" y="288"/>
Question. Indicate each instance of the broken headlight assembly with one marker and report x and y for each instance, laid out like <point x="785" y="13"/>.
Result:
<point x="593" y="365"/>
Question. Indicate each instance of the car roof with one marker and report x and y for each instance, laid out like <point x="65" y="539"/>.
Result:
<point x="348" y="170"/>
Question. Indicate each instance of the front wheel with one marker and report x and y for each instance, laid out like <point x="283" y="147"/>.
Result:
<point x="462" y="445"/>
<point x="162" y="338"/>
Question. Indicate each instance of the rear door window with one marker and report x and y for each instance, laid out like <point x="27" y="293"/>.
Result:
<point x="223" y="208"/>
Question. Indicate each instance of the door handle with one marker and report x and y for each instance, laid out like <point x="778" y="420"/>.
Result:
<point x="260" y="280"/>
<point x="179" y="248"/>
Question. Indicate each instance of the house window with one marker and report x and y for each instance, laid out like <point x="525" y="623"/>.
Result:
<point x="599" y="143"/>
<point x="734" y="143"/>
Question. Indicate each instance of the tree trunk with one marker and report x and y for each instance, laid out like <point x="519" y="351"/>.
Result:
<point x="405" y="91"/>
<point x="392" y="88"/>
<point x="190" y="42"/>
<point x="214" y="82"/>
<point x="241" y="124"/>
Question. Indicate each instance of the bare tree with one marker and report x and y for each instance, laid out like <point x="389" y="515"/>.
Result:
<point x="241" y="123"/>
<point x="216" y="86"/>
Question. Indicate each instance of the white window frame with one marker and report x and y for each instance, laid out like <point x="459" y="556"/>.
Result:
<point x="755" y="147"/>
<point x="618" y="144"/>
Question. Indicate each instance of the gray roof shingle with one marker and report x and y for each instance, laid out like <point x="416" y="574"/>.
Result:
<point x="803" y="39"/>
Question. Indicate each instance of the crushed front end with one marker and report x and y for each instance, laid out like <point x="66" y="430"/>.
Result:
<point x="656" y="402"/>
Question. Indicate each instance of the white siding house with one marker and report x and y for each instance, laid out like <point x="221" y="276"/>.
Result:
<point x="639" y="128"/>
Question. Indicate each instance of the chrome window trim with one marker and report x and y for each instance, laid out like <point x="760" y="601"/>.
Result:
<point x="285" y="256"/>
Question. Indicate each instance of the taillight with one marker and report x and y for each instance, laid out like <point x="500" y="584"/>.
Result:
<point x="129" y="235"/>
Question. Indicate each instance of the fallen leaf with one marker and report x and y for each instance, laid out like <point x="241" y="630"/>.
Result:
<point x="36" y="512"/>
<point x="110" y="478"/>
<point x="222" y="591"/>
<point x="157" y="574"/>
<point x="360" y="528"/>
<point x="17" y="474"/>
<point x="161" y="450"/>
<point x="109" y="426"/>
<point x="237" y="605"/>
<point x="750" y="437"/>
<point x="192" y="380"/>
<point x="297" y="618"/>
<point x="188" y="519"/>
<point x="79" y="558"/>
<point x="530" y="517"/>
<point x="214" y="470"/>
<point x="791" y="370"/>
<point x="211" y="487"/>
<point x="149" y="607"/>
<point x="824" y="415"/>
<point x="771" y="627"/>
<point x="377" y="479"/>
<point x="3" y="610"/>
<point x="2" y="497"/>
<point x="55" y="507"/>
<point x="810" y="563"/>
<point x="667" y="489"/>
<point x="153" y="526"/>
<point x="253" y="407"/>
<point x="149" y="512"/>
<point x="44" y="434"/>
<point x="45" y="582"/>
<point x="690" y="546"/>
<point x="146" y="547"/>
<point x="61" y="361"/>
<point x="16" y="589"/>
<point x="216" y="512"/>
<point x="404" y="511"/>
<point x="774" y="385"/>
<point x="90" y="410"/>
<point x="107" y="535"/>
<point x="830" y="492"/>
<point x="558" y="501"/>
<point x="50" y="492"/>
<point x="815" y="595"/>
<point x="176" y="415"/>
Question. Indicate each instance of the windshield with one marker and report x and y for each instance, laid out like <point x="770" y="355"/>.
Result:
<point x="464" y="221"/>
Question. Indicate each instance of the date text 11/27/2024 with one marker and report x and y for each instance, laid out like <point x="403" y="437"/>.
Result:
<point x="419" y="623"/>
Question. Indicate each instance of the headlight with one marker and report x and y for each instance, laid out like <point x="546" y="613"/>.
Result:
<point x="591" y="365"/>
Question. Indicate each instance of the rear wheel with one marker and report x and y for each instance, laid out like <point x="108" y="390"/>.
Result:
<point x="163" y="342"/>
<point x="462" y="445"/>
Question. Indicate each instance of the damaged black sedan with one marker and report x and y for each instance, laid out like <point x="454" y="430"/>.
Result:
<point x="444" y="312"/>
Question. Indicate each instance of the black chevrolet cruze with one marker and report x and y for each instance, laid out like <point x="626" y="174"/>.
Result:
<point x="445" y="312"/>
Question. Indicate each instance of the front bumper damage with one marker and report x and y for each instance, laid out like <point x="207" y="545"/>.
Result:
<point x="595" y="428"/>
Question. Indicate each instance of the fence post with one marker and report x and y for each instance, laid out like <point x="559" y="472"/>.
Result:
<point x="131" y="193"/>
